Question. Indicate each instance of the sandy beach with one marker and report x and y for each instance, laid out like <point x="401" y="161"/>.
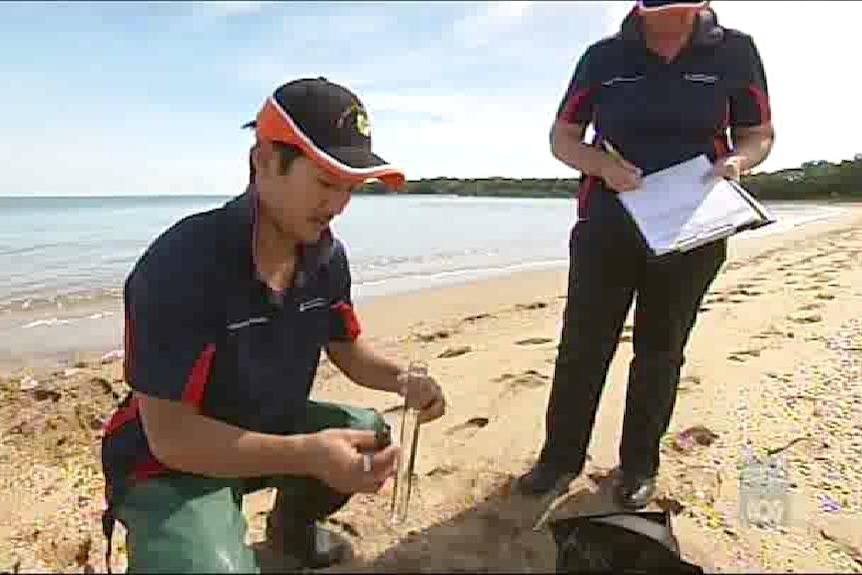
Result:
<point x="775" y="362"/>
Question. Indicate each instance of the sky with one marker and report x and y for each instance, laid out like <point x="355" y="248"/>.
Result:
<point x="148" y="98"/>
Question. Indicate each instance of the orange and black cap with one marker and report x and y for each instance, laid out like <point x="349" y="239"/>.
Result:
<point x="657" y="5"/>
<point x="329" y="124"/>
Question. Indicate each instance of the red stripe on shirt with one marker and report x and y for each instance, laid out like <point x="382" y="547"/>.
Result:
<point x="574" y="104"/>
<point x="348" y="315"/>
<point x="193" y="394"/>
<point x="762" y="102"/>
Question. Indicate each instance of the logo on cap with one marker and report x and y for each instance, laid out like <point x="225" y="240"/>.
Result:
<point x="363" y="126"/>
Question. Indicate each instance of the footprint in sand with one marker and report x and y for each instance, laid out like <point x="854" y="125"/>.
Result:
<point x="717" y="298"/>
<point x="477" y="317"/>
<point x="744" y="291"/>
<point x="825" y="296"/>
<point x="433" y="336"/>
<point x="472" y="424"/>
<point x="688" y="382"/>
<point x="455" y="351"/>
<point x="812" y="318"/>
<point x="530" y="379"/>
<point x="744" y="355"/>
<point x="442" y="471"/>
<point x="534" y="341"/>
<point x="534" y="305"/>
<point x="811" y="306"/>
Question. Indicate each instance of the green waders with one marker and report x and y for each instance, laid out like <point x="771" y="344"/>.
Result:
<point x="192" y="524"/>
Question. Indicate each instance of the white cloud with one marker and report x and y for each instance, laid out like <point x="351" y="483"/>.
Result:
<point x="482" y="24"/>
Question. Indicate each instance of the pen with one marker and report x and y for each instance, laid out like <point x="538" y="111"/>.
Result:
<point x="612" y="151"/>
<point x="617" y="156"/>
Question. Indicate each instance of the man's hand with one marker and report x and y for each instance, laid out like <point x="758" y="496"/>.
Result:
<point x="361" y="364"/>
<point x="423" y="393"/>
<point x="729" y="167"/>
<point x="619" y="174"/>
<point x="340" y="460"/>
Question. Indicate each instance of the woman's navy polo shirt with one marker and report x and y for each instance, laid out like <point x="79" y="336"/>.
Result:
<point x="657" y="114"/>
<point x="203" y="329"/>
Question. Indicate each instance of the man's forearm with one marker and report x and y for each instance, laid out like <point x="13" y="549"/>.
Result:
<point x="364" y="366"/>
<point x="186" y="441"/>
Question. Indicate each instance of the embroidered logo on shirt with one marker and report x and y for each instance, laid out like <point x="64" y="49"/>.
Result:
<point x="247" y="322"/>
<point x="312" y="304"/>
<point x="621" y="79"/>
<point x="702" y="78"/>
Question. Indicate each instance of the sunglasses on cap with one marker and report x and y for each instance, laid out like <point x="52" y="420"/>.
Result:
<point x="656" y="5"/>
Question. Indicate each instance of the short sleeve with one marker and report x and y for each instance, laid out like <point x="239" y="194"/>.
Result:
<point x="749" y="98"/>
<point x="170" y="328"/>
<point x="343" y="322"/>
<point x="578" y="102"/>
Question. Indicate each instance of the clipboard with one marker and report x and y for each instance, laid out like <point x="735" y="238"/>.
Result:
<point x="763" y="217"/>
<point x="677" y="209"/>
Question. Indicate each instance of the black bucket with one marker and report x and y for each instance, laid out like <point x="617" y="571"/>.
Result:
<point x="629" y="542"/>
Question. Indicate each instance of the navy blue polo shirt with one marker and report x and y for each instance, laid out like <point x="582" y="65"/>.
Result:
<point x="658" y="113"/>
<point x="203" y="329"/>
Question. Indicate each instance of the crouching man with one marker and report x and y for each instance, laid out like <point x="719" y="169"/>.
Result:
<point x="226" y="315"/>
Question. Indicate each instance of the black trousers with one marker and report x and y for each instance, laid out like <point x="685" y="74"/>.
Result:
<point x="609" y="267"/>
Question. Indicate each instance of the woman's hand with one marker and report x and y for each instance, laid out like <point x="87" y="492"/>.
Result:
<point x="729" y="167"/>
<point x="619" y="174"/>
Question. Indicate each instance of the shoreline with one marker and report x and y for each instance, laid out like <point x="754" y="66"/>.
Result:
<point x="53" y="338"/>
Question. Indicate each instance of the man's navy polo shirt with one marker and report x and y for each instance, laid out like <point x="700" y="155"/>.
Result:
<point x="201" y="328"/>
<point x="657" y="114"/>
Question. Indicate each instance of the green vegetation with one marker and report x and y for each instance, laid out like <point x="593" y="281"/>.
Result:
<point x="812" y="181"/>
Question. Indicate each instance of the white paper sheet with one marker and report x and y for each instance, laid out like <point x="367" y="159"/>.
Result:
<point x="678" y="209"/>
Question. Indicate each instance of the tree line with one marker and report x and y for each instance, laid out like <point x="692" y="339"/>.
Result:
<point x="816" y="180"/>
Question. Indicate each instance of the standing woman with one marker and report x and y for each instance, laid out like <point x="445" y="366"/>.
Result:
<point x="667" y="88"/>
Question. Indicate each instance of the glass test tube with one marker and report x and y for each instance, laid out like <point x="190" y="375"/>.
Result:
<point x="409" y="441"/>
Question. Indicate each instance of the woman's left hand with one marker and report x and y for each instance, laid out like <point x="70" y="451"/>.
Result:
<point x="729" y="167"/>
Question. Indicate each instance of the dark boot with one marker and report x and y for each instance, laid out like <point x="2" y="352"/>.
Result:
<point x="636" y="492"/>
<point x="542" y="479"/>
<point x="305" y="542"/>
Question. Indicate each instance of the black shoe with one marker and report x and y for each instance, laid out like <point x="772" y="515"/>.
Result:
<point x="308" y="545"/>
<point x="635" y="492"/>
<point x="542" y="479"/>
